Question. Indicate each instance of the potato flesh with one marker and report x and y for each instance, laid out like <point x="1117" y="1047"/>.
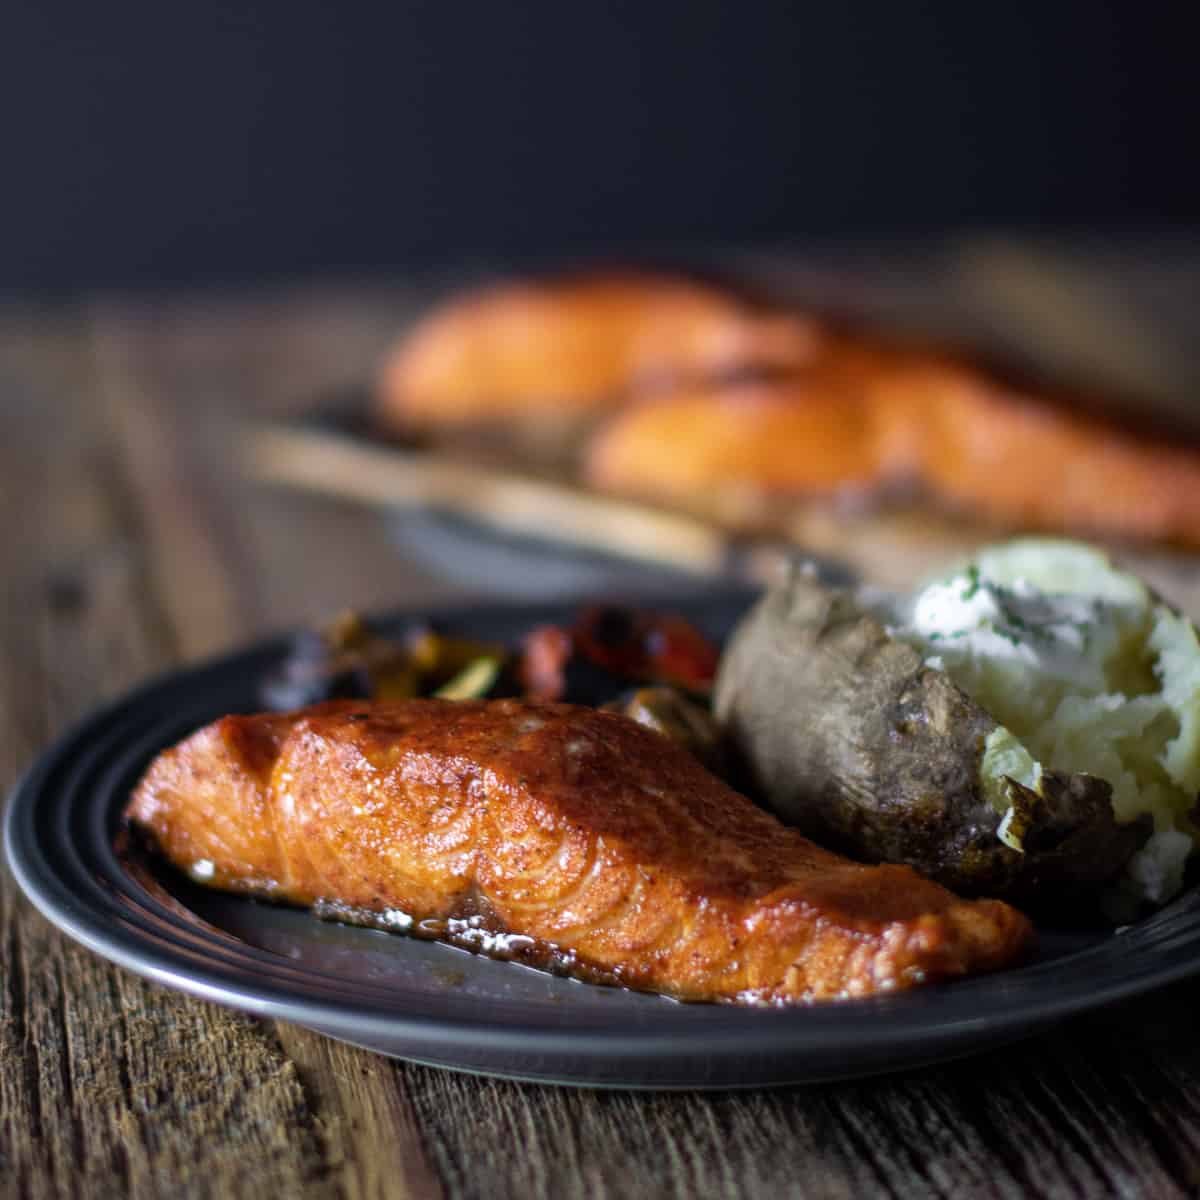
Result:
<point x="1138" y="723"/>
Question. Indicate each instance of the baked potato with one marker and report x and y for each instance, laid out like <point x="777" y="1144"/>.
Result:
<point x="1028" y="727"/>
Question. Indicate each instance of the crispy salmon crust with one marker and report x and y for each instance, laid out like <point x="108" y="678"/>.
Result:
<point x="574" y="827"/>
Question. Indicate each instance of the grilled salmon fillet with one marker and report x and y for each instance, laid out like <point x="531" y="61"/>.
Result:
<point x="549" y="350"/>
<point x="971" y="440"/>
<point x="597" y="839"/>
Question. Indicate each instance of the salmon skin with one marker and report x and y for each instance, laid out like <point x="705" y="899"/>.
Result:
<point x="600" y="844"/>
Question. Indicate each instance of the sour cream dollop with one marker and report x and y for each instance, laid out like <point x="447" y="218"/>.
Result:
<point x="968" y="620"/>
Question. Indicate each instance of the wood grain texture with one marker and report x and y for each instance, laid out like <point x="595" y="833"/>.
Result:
<point x="128" y="544"/>
<point x="1053" y="1118"/>
<point x="107" y="1085"/>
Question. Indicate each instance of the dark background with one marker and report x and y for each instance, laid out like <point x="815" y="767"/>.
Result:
<point x="177" y="143"/>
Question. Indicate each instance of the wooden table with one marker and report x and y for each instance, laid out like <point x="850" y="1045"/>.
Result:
<point x="129" y="545"/>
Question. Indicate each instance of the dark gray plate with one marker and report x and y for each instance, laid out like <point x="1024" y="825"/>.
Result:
<point x="443" y="1006"/>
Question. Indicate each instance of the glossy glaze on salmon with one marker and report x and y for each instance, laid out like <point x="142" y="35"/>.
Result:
<point x="576" y="828"/>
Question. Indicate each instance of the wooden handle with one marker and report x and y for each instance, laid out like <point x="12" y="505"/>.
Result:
<point x="517" y="504"/>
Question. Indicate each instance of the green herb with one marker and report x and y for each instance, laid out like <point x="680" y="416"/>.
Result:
<point x="972" y="582"/>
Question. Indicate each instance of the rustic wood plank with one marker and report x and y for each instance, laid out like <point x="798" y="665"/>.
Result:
<point x="107" y="1084"/>
<point x="1052" y="1118"/>
<point x="236" y="559"/>
<point x="369" y="1115"/>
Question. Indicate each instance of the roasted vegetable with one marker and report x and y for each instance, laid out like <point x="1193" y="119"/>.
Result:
<point x="669" y="712"/>
<point x="646" y="646"/>
<point x="851" y="734"/>
<point x="588" y="662"/>
<point x="551" y="667"/>
<point x="610" y="646"/>
<point x="474" y="681"/>
<point x="349" y="659"/>
<point x="345" y="660"/>
<point x="438" y="659"/>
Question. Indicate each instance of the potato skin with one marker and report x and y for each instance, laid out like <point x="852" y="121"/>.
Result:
<point x="847" y="735"/>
